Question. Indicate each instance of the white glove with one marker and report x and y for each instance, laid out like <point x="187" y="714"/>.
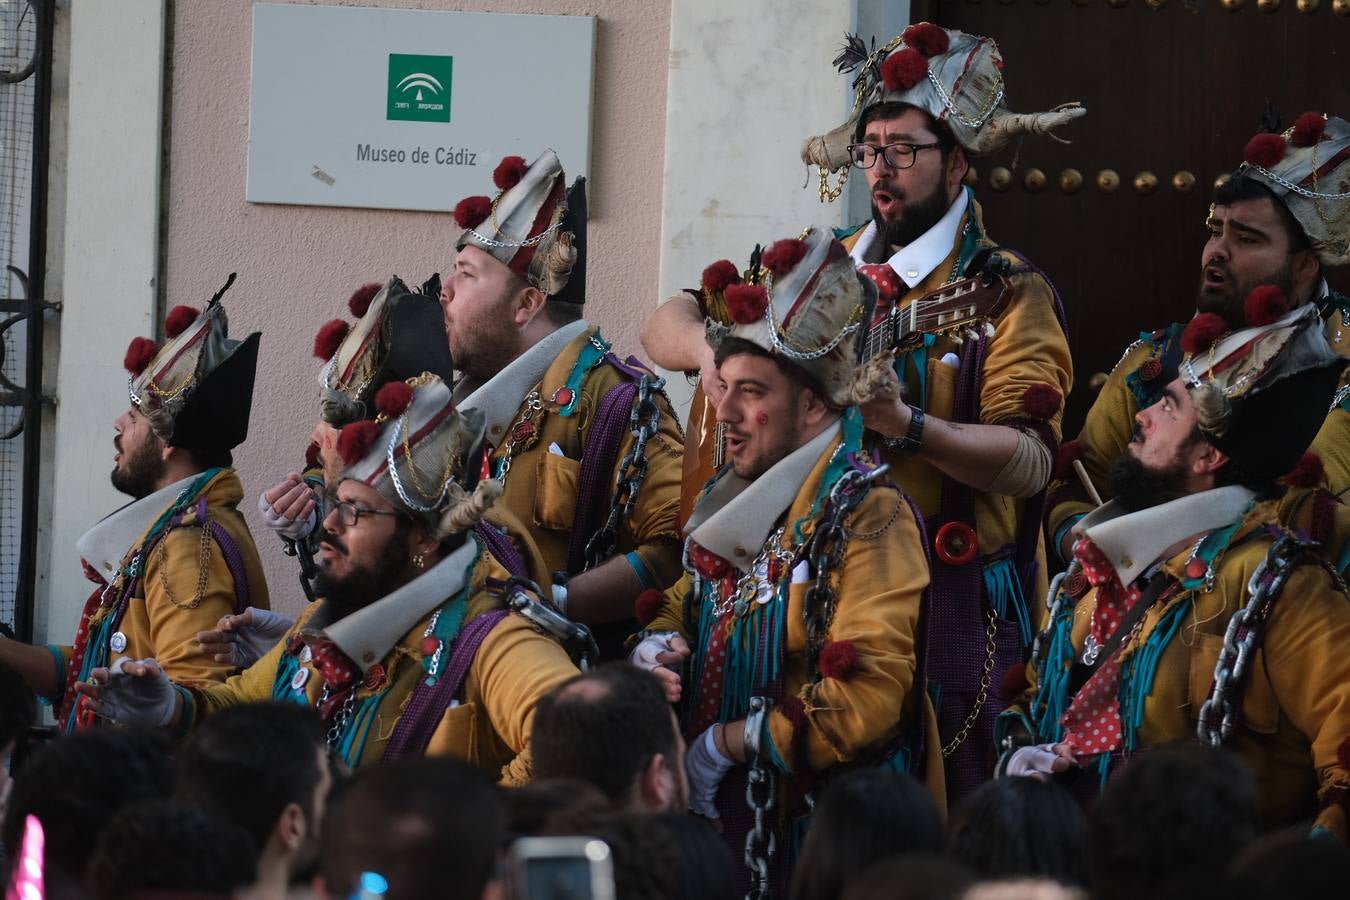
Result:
<point x="1037" y="761"/>
<point x="129" y="699"/>
<point x="286" y="526"/>
<point x="706" y="767"/>
<point x="247" y="637"/>
<point x="644" y="654"/>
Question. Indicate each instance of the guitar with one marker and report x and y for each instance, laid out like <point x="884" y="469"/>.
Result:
<point x="947" y="311"/>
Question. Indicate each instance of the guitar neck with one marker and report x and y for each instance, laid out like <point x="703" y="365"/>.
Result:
<point x="948" y="308"/>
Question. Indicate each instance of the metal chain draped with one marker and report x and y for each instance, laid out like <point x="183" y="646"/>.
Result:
<point x="644" y="422"/>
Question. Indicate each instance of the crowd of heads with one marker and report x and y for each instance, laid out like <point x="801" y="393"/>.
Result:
<point x="252" y="805"/>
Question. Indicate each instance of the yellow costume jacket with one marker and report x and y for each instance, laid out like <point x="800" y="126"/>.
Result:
<point x="392" y="642"/>
<point x="851" y="698"/>
<point x="173" y="581"/>
<point x="1136" y="382"/>
<point x="1295" y="705"/>
<point x="1026" y="374"/>
<point x="539" y="416"/>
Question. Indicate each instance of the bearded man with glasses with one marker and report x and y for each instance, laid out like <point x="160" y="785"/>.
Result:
<point x="973" y="435"/>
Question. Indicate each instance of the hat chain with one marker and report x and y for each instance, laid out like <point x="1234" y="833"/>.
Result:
<point x="985" y="112"/>
<point x="400" y="437"/>
<point x="527" y="242"/>
<point x="780" y="340"/>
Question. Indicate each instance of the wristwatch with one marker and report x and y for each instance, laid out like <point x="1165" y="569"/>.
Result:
<point x="913" y="439"/>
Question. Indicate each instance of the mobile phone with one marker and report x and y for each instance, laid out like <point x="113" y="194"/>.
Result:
<point x="560" y="868"/>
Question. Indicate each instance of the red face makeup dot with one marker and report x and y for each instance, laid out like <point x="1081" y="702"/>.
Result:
<point x="762" y="417"/>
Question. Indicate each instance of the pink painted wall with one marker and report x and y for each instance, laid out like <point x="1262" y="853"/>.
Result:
<point x="297" y="265"/>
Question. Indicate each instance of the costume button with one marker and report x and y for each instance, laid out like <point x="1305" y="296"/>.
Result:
<point x="368" y="657"/>
<point x="374" y="679"/>
<point x="563" y="396"/>
<point x="306" y="653"/>
<point x="1196" y="568"/>
<point x="118" y="642"/>
<point x="429" y="645"/>
<point x="739" y="551"/>
<point x="956" y="544"/>
<point x="299" y="678"/>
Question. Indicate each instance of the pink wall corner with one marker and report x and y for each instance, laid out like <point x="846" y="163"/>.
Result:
<point x="297" y="265"/>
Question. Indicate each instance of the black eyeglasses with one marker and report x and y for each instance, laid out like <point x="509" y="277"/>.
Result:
<point x="898" y="156"/>
<point x="349" y="513"/>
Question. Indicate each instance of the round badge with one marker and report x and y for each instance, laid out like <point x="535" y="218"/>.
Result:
<point x="1150" y="370"/>
<point x="563" y="396"/>
<point x="118" y="642"/>
<point x="956" y="543"/>
<point x="306" y="654"/>
<point x="299" y="678"/>
<point x="374" y="679"/>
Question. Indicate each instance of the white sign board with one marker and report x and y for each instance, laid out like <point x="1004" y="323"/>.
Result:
<point x="410" y="109"/>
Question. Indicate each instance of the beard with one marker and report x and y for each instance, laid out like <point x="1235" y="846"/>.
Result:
<point x="365" y="582"/>
<point x="141" y="469"/>
<point x="775" y="448"/>
<point x="1136" y="486"/>
<point x="919" y="215"/>
<point x="1227" y="300"/>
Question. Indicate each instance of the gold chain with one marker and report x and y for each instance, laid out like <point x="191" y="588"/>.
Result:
<point x="830" y="194"/>
<point x="203" y="568"/>
<point x="985" y="678"/>
<point x="873" y="535"/>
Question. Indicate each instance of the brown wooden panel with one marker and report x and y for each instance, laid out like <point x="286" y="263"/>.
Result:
<point x="1167" y="90"/>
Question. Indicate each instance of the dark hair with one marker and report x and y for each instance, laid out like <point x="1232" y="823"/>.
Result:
<point x="1232" y="473"/>
<point x="551" y="806"/>
<point x="707" y="868"/>
<point x="800" y="378"/>
<point x="73" y="784"/>
<point x="1291" y="864"/>
<point x="894" y="109"/>
<point x="911" y="876"/>
<point x="863" y="817"/>
<point x="603" y="727"/>
<point x="431" y="827"/>
<point x="17" y="710"/>
<point x="646" y="864"/>
<point x="169" y="846"/>
<point x="562" y="312"/>
<point x="1179" y="812"/>
<point x="1241" y="186"/>
<point x="1021" y="827"/>
<point x="248" y="763"/>
<point x="209" y="457"/>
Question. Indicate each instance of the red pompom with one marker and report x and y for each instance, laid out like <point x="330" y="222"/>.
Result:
<point x="1308" y="129"/>
<point x="1014" y="682"/>
<point x="839" y="660"/>
<point x="355" y="440"/>
<point x="359" y="302"/>
<point x="1322" y="522"/>
<point x="329" y="338"/>
<point x="1202" y="331"/>
<point x="312" y="455"/>
<point x="793" y="709"/>
<point x="139" y="353"/>
<point x="903" y="69"/>
<point x="746" y="302"/>
<point x="783" y="255"/>
<point x="1264" y="150"/>
<point x="1343" y="754"/>
<point x="720" y="275"/>
<point x="927" y="38"/>
<point x="647" y="605"/>
<point x="1069" y="452"/>
<point x="471" y="211"/>
<point x="1265" y="304"/>
<point x="178" y="320"/>
<point x="1041" y="401"/>
<point x="509" y="172"/>
<point x="392" y="399"/>
<point x="1307" y="472"/>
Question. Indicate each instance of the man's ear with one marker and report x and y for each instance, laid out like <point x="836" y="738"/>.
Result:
<point x="958" y="164"/>
<point x="291" y="827"/>
<point x="420" y="540"/>
<point x="1305" y="271"/>
<point x="655" y="786"/>
<point x="1208" y="459"/>
<point x="528" y="302"/>
<point x="813" y="409"/>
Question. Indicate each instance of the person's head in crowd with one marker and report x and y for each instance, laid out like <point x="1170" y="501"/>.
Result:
<point x="863" y="817"/>
<point x="642" y="851"/>
<point x="166" y="848"/>
<point x="262" y="767"/>
<point x="428" y="827"/>
<point x="911" y="876"/>
<point x="707" y="868"/>
<point x="1023" y="889"/>
<point x="613" y="727"/>
<point x="16" y="717"/>
<point x="1291" y="864"/>
<point x="1021" y="828"/>
<point x="74" y="783"/>
<point x="1175" y="814"/>
<point x="551" y="806"/>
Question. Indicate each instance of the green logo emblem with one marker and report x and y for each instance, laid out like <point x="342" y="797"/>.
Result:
<point x="419" y="88"/>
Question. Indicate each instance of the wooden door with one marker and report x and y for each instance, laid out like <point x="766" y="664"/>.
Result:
<point x="1174" y="90"/>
